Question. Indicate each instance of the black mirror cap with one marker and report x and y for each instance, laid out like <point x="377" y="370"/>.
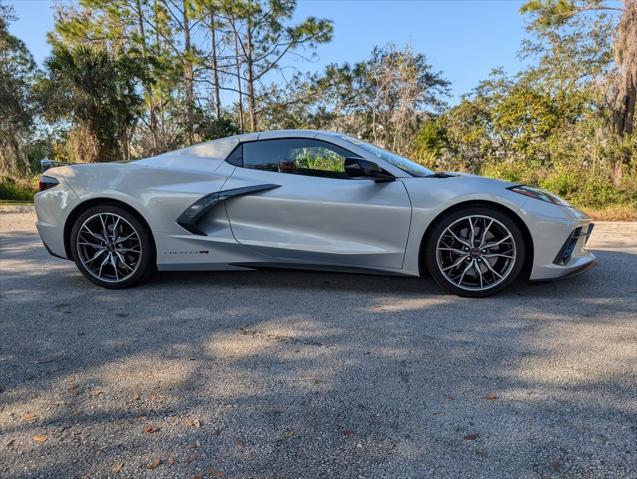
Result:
<point x="360" y="168"/>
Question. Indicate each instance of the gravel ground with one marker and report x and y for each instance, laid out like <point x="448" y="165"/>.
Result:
<point x="311" y="375"/>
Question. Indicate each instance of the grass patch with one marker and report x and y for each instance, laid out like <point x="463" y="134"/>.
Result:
<point x="613" y="213"/>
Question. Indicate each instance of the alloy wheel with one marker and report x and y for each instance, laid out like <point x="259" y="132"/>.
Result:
<point x="476" y="253"/>
<point x="109" y="247"/>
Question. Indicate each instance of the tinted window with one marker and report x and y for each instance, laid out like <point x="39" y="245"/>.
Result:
<point x="300" y="156"/>
<point x="408" y="166"/>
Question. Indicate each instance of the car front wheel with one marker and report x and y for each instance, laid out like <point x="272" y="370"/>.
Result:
<point x="475" y="251"/>
<point x="112" y="247"/>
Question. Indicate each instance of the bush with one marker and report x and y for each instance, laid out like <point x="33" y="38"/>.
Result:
<point x="17" y="189"/>
<point x="575" y="185"/>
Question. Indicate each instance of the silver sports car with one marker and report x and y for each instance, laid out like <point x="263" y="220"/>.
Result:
<point x="305" y="199"/>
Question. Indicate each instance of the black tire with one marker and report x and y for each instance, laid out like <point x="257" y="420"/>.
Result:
<point x="511" y="270"/>
<point x="144" y="264"/>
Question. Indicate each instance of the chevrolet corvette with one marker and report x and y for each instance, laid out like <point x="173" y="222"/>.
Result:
<point x="305" y="199"/>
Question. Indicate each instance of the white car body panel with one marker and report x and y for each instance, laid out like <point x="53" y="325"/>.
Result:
<point x="306" y="221"/>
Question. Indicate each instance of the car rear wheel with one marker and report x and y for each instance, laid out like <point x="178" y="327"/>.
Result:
<point x="112" y="247"/>
<point x="475" y="251"/>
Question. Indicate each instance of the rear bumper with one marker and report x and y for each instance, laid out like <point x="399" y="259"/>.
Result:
<point x="52" y="239"/>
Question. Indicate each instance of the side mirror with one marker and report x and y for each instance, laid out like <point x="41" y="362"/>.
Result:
<point x="361" y="168"/>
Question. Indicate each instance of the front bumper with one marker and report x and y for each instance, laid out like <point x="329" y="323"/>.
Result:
<point x="559" y="241"/>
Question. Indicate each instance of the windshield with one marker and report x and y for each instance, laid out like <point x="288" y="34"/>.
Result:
<point x="405" y="164"/>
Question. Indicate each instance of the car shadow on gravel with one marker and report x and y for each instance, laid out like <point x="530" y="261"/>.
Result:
<point x="296" y="374"/>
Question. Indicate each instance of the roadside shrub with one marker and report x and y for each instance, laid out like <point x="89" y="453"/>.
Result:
<point x="17" y="189"/>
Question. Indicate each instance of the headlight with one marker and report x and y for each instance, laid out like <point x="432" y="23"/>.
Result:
<point x="539" y="194"/>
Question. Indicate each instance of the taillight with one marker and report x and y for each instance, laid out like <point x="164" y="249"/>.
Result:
<point x="47" y="182"/>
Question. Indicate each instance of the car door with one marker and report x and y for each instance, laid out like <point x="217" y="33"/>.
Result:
<point x="306" y="210"/>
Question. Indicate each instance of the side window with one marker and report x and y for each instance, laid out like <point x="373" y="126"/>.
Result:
<point x="298" y="156"/>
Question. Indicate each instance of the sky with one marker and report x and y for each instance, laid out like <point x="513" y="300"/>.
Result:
<point x="465" y="39"/>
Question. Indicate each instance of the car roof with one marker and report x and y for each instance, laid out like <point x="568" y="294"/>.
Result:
<point x="274" y="134"/>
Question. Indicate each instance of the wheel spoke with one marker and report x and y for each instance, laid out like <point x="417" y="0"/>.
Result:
<point x="484" y="234"/>
<point x="128" y="250"/>
<point x="108" y="257"/>
<point x="114" y="265"/>
<point x="490" y="268"/>
<point x="462" y="241"/>
<point x="115" y="230"/>
<point x="95" y="256"/>
<point x="104" y="230"/>
<point x="469" y="266"/>
<point x="457" y="263"/>
<point x="453" y="250"/>
<point x="479" y="270"/>
<point x="120" y="240"/>
<point x="122" y="262"/>
<point x="492" y="245"/>
<point x="99" y="237"/>
<point x="473" y="232"/>
<point x="92" y="245"/>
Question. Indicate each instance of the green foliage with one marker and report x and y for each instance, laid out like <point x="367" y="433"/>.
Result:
<point x="18" y="106"/>
<point x="320" y="159"/>
<point x="133" y="78"/>
<point x="97" y="93"/>
<point x="13" y="189"/>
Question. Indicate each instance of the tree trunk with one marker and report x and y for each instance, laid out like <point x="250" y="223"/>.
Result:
<point x="161" y="120"/>
<point x="250" y="67"/>
<point x="626" y="85"/>
<point x="188" y="74"/>
<point x="236" y="49"/>
<point x="215" y="69"/>
<point x="147" y="87"/>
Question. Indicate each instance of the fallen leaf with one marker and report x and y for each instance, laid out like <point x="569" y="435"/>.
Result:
<point x="149" y="429"/>
<point x="348" y="432"/>
<point x="555" y="465"/>
<point x="289" y="432"/>
<point x="153" y="397"/>
<point x="137" y="397"/>
<point x="470" y="437"/>
<point x="194" y="423"/>
<point x="491" y="397"/>
<point x="171" y="459"/>
<point x="95" y="393"/>
<point x="10" y="442"/>
<point x="240" y="444"/>
<point x="297" y="350"/>
<point x="40" y="438"/>
<point x="73" y="388"/>
<point x="28" y="416"/>
<point x="141" y="418"/>
<point x="215" y="473"/>
<point x="118" y="467"/>
<point x="198" y="476"/>
<point x="153" y="465"/>
<point x="192" y="458"/>
<point x="437" y="413"/>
